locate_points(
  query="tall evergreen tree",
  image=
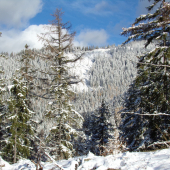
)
(101, 129)
(19, 126)
(29, 76)
(152, 81)
(65, 119)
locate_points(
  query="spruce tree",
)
(101, 129)
(65, 119)
(29, 75)
(19, 126)
(152, 81)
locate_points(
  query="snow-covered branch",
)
(147, 114)
(160, 143)
(54, 162)
(158, 65)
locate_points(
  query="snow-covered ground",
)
(158, 160)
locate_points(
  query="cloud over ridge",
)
(14, 40)
(16, 13)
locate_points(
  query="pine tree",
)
(101, 129)
(157, 27)
(19, 126)
(65, 119)
(29, 76)
(152, 81)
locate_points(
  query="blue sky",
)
(96, 22)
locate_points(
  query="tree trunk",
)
(15, 147)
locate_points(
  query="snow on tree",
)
(101, 129)
(18, 126)
(151, 86)
(151, 27)
(60, 111)
(30, 77)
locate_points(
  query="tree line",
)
(61, 130)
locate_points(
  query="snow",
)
(5, 164)
(50, 103)
(20, 95)
(82, 67)
(2, 89)
(125, 161)
(53, 128)
(71, 130)
(10, 87)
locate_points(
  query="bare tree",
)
(57, 40)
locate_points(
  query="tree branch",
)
(159, 114)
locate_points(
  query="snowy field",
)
(158, 160)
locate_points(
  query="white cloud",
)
(14, 40)
(92, 37)
(16, 13)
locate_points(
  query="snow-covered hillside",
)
(158, 160)
(106, 73)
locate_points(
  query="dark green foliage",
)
(149, 96)
(153, 81)
(101, 129)
(131, 128)
(18, 126)
(154, 84)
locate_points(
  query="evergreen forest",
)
(66, 101)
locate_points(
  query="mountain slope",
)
(105, 72)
